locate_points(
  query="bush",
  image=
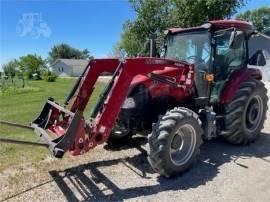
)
(32, 66)
(50, 76)
(35, 76)
(13, 86)
(13, 90)
(7, 82)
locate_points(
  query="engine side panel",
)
(148, 98)
(157, 89)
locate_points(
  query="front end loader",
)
(199, 88)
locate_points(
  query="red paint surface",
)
(235, 81)
(134, 71)
(219, 24)
(232, 23)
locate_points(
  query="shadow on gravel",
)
(73, 181)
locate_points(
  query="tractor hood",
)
(160, 61)
(168, 70)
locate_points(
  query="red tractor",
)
(199, 88)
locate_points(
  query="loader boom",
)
(80, 135)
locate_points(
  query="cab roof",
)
(218, 24)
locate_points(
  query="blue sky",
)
(95, 25)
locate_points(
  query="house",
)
(69, 67)
(267, 31)
(261, 42)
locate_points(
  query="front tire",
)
(119, 138)
(174, 142)
(246, 113)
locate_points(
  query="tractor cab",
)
(217, 49)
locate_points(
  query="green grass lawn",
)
(24, 107)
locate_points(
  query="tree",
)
(10, 68)
(192, 13)
(259, 17)
(32, 66)
(117, 51)
(130, 41)
(155, 16)
(66, 51)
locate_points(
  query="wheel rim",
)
(254, 113)
(183, 145)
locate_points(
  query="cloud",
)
(32, 24)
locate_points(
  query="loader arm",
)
(78, 135)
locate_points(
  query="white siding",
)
(69, 67)
(261, 42)
(265, 71)
(77, 71)
(61, 69)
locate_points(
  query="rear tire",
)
(246, 113)
(174, 142)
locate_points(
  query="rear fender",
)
(235, 81)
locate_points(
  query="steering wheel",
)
(193, 57)
(196, 59)
(199, 62)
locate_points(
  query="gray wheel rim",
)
(183, 145)
(254, 113)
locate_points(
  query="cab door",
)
(228, 57)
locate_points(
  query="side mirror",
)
(258, 59)
(232, 38)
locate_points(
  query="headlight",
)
(129, 103)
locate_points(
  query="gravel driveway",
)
(223, 173)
